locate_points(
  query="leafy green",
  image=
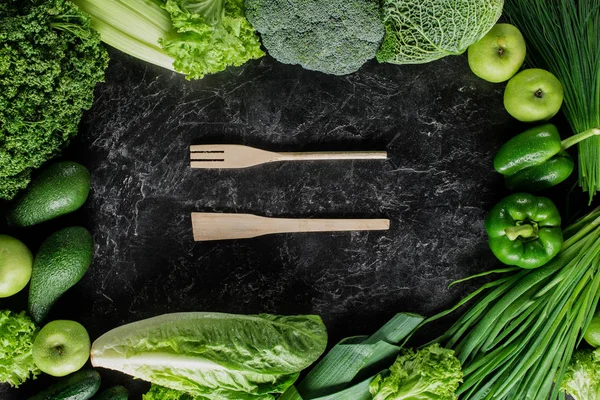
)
(582, 380)
(333, 36)
(431, 373)
(16, 341)
(50, 62)
(214, 355)
(352, 360)
(157, 392)
(418, 31)
(193, 37)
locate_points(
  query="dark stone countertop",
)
(440, 124)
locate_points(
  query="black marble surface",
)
(440, 124)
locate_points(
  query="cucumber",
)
(81, 385)
(113, 393)
(61, 188)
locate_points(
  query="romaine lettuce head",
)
(214, 355)
(582, 380)
(419, 31)
(16, 341)
(432, 373)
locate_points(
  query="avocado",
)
(60, 189)
(80, 385)
(60, 263)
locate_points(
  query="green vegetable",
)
(592, 333)
(524, 230)
(193, 37)
(16, 341)
(214, 355)
(50, 62)
(582, 380)
(340, 375)
(62, 260)
(81, 385)
(61, 188)
(334, 36)
(518, 338)
(563, 37)
(162, 393)
(536, 159)
(113, 393)
(430, 373)
(418, 31)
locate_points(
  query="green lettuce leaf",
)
(16, 341)
(432, 373)
(419, 31)
(214, 355)
(213, 34)
(582, 380)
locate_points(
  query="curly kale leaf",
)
(16, 342)
(334, 36)
(418, 31)
(50, 62)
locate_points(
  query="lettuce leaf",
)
(582, 380)
(214, 355)
(432, 373)
(16, 341)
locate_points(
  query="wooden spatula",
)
(238, 156)
(217, 226)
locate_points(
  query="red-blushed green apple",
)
(499, 54)
(16, 262)
(61, 347)
(533, 95)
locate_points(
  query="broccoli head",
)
(331, 36)
(50, 62)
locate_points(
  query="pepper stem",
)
(525, 231)
(570, 141)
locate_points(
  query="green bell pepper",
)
(524, 230)
(536, 159)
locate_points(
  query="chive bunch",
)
(563, 36)
(517, 340)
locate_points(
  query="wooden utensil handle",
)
(333, 155)
(288, 225)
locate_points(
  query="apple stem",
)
(570, 141)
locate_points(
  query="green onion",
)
(517, 340)
(563, 37)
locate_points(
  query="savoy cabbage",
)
(418, 31)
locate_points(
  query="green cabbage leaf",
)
(432, 373)
(214, 355)
(17, 332)
(419, 31)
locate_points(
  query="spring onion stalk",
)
(518, 338)
(563, 37)
(193, 37)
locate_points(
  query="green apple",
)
(16, 262)
(499, 54)
(61, 347)
(533, 95)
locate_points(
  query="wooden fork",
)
(238, 156)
